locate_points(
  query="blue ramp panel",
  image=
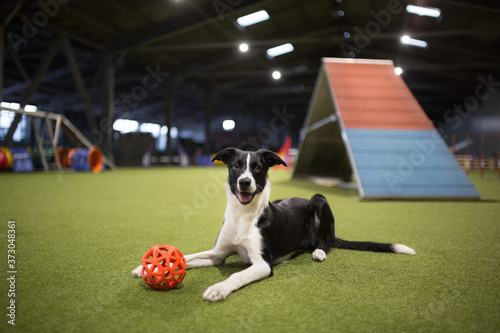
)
(405, 164)
(387, 140)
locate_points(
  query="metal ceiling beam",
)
(424, 99)
(307, 39)
(11, 15)
(75, 37)
(108, 97)
(252, 73)
(411, 61)
(2, 37)
(80, 84)
(452, 66)
(2, 44)
(437, 33)
(18, 63)
(291, 100)
(210, 97)
(74, 14)
(170, 85)
(270, 90)
(178, 25)
(469, 52)
(470, 5)
(235, 44)
(35, 83)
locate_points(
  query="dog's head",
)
(247, 171)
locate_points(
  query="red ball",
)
(163, 267)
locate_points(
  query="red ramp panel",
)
(370, 95)
(393, 148)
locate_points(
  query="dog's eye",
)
(257, 168)
(235, 166)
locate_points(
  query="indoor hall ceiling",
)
(195, 45)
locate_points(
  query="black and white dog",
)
(263, 233)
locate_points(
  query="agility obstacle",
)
(364, 120)
(89, 158)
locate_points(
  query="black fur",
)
(265, 233)
(236, 161)
(293, 224)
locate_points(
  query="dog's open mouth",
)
(245, 197)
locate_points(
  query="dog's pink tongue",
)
(245, 197)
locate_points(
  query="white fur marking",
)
(137, 272)
(238, 234)
(316, 221)
(319, 255)
(221, 290)
(247, 174)
(400, 248)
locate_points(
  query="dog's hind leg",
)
(322, 222)
(212, 257)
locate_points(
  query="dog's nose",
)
(245, 183)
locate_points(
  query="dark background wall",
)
(475, 117)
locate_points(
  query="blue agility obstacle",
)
(363, 120)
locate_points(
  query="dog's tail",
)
(319, 210)
(370, 246)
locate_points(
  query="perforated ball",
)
(163, 267)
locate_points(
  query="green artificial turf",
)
(78, 236)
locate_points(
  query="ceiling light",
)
(279, 50)
(423, 11)
(30, 108)
(228, 125)
(253, 18)
(154, 129)
(276, 75)
(125, 125)
(415, 42)
(174, 133)
(398, 70)
(15, 106)
(405, 39)
(243, 47)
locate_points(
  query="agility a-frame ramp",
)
(363, 120)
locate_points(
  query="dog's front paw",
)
(319, 255)
(137, 272)
(215, 293)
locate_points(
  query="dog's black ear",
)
(225, 155)
(270, 158)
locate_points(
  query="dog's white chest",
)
(243, 237)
